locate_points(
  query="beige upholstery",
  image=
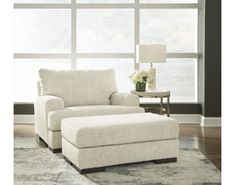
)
(125, 99)
(70, 93)
(54, 139)
(42, 106)
(90, 142)
(118, 129)
(79, 87)
(110, 155)
(55, 117)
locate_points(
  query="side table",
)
(157, 93)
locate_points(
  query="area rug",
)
(39, 166)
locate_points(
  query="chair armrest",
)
(43, 105)
(49, 103)
(126, 99)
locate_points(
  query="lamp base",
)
(153, 71)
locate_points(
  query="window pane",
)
(105, 1)
(26, 76)
(175, 28)
(168, 1)
(178, 76)
(123, 69)
(42, 31)
(42, 1)
(105, 31)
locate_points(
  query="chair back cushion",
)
(79, 87)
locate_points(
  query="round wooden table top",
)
(153, 93)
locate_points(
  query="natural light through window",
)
(102, 34)
(42, 31)
(176, 28)
(26, 76)
(105, 31)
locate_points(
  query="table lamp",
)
(151, 54)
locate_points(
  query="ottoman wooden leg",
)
(168, 160)
(90, 170)
(84, 171)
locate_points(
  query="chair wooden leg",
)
(40, 140)
(57, 150)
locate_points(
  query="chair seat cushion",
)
(118, 129)
(55, 117)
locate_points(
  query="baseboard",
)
(210, 121)
(187, 118)
(23, 119)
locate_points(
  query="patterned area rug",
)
(41, 167)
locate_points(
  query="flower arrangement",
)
(141, 78)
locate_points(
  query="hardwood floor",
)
(208, 139)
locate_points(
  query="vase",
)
(140, 86)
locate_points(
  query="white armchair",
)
(126, 99)
(42, 106)
(77, 93)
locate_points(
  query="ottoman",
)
(92, 143)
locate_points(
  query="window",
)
(26, 76)
(183, 86)
(102, 34)
(42, 31)
(175, 28)
(105, 1)
(168, 1)
(42, 1)
(105, 31)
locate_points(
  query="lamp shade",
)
(151, 53)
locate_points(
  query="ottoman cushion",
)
(118, 129)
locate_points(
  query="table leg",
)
(168, 106)
(161, 104)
